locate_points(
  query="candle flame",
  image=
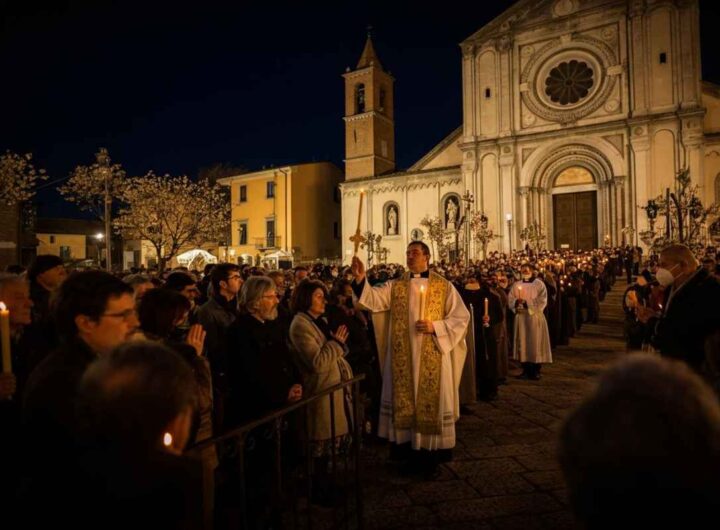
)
(167, 439)
(422, 288)
(3, 307)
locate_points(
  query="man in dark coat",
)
(487, 332)
(94, 312)
(690, 312)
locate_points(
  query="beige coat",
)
(320, 361)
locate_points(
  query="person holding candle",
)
(486, 307)
(690, 312)
(531, 345)
(423, 362)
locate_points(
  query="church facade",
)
(575, 112)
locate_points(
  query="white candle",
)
(5, 334)
(486, 307)
(362, 197)
(422, 302)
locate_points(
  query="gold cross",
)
(358, 239)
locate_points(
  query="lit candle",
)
(422, 302)
(486, 308)
(5, 334)
(520, 292)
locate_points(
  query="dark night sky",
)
(174, 87)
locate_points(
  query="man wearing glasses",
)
(94, 312)
(215, 316)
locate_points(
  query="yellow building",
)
(70, 239)
(291, 211)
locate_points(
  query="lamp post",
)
(98, 237)
(103, 160)
(508, 218)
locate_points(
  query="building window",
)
(382, 100)
(65, 253)
(270, 189)
(270, 231)
(243, 193)
(663, 58)
(336, 230)
(569, 82)
(52, 240)
(359, 98)
(487, 93)
(242, 234)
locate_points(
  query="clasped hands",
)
(644, 314)
(424, 326)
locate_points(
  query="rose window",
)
(569, 82)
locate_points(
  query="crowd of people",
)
(113, 376)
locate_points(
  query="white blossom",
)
(18, 178)
(172, 212)
(86, 185)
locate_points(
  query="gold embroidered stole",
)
(424, 416)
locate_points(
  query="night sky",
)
(175, 87)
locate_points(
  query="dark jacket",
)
(260, 370)
(692, 313)
(49, 402)
(215, 316)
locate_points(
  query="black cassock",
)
(486, 339)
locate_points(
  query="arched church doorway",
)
(575, 218)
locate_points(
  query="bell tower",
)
(369, 117)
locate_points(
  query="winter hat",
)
(43, 263)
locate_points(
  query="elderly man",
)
(690, 311)
(423, 360)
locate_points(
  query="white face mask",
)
(664, 276)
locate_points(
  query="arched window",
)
(359, 98)
(381, 103)
(391, 219)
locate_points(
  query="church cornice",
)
(366, 115)
(363, 72)
(404, 181)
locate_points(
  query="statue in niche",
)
(451, 213)
(392, 218)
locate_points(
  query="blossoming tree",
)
(172, 212)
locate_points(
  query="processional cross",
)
(358, 238)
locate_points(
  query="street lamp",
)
(98, 237)
(508, 218)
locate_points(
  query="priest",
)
(423, 361)
(527, 299)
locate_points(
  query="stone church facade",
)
(574, 113)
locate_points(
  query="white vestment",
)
(450, 340)
(532, 339)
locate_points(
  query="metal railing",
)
(262, 243)
(288, 486)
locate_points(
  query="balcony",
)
(267, 243)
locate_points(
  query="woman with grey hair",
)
(261, 377)
(140, 283)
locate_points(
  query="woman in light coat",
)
(320, 355)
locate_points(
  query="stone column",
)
(524, 212)
(619, 208)
(504, 45)
(507, 193)
(637, 59)
(640, 149)
(542, 207)
(470, 95)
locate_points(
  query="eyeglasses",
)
(271, 296)
(125, 315)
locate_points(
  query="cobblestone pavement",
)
(504, 473)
